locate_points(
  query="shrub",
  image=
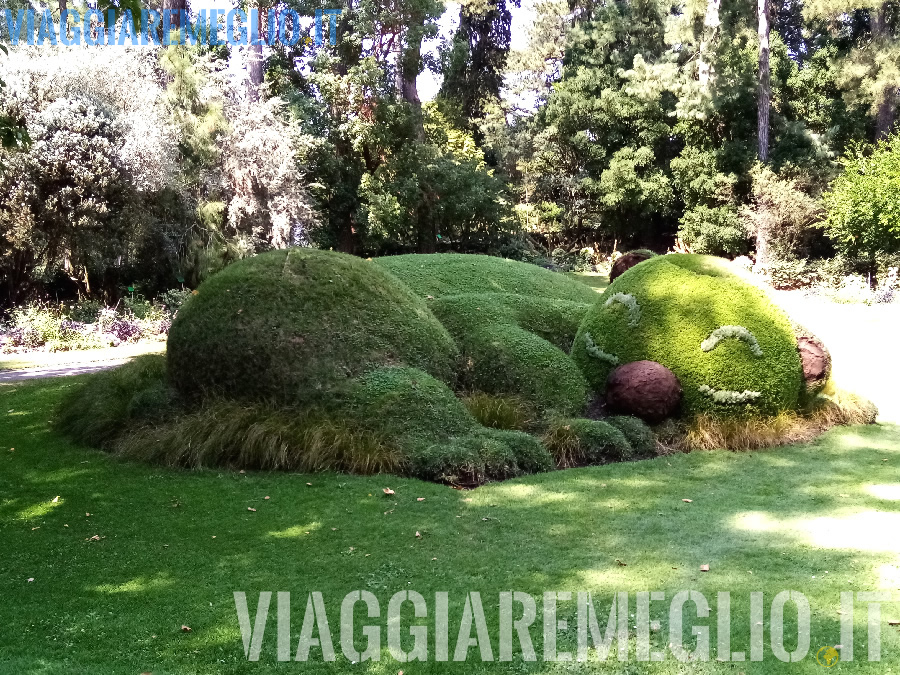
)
(173, 299)
(297, 325)
(500, 412)
(472, 459)
(683, 299)
(102, 408)
(439, 438)
(863, 205)
(85, 311)
(640, 437)
(715, 230)
(507, 359)
(579, 442)
(445, 274)
(791, 273)
(513, 344)
(406, 401)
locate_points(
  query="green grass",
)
(174, 545)
(79, 357)
(442, 274)
(594, 280)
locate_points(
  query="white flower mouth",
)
(728, 396)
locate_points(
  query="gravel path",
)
(57, 371)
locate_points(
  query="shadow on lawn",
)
(174, 545)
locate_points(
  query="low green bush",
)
(443, 274)
(694, 317)
(111, 402)
(297, 325)
(477, 457)
(639, 436)
(580, 442)
(507, 359)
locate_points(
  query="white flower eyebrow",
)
(731, 333)
(630, 303)
(597, 353)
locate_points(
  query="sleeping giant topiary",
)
(732, 350)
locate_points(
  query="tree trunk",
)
(765, 86)
(705, 68)
(887, 108)
(762, 108)
(410, 66)
(255, 69)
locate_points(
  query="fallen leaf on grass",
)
(185, 629)
(310, 484)
(250, 508)
(418, 535)
(688, 501)
(387, 491)
(704, 568)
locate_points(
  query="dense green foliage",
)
(581, 442)
(733, 351)
(298, 325)
(864, 202)
(439, 275)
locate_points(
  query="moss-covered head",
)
(733, 351)
(296, 325)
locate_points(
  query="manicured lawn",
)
(78, 357)
(174, 545)
(597, 281)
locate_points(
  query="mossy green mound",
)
(442, 274)
(513, 344)
(438, 437)
(297, 325)
(733, 351)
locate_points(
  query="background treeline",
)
(725, 126)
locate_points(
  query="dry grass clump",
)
(833, 407)
(258, 436)
(500, 412)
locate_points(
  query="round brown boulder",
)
(645, 389)
(626, 261)
(816, 361)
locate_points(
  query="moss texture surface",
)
(441, 274)
(682, 300)
(298, 324)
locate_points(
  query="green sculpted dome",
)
(733, 351)
(295, 325)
